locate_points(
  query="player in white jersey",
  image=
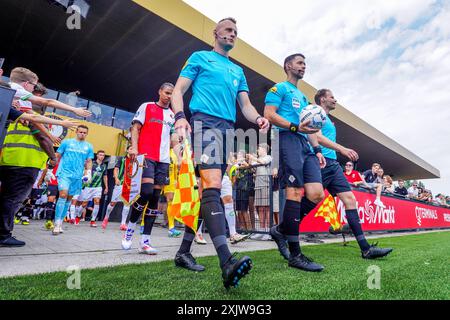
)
(226, 194)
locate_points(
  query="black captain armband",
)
(317, 150)
(293, 127)
(179, 115)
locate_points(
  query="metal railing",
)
(254, 199)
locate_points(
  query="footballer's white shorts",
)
(117, 192)
(87, 194)
(42, 199)
(227, 188)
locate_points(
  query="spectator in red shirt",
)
(353, 176)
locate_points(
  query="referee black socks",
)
(355, 225)
(290, 226)
(188, 238)
(306, 207)
(214, 216)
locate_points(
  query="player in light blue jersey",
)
(333, 178)
(75, 165)
(217, 83)
(299, 166)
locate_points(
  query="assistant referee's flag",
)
(186, 199)
(329, 212)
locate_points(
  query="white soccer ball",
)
(314, 113)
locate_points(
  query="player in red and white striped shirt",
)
(150, 135)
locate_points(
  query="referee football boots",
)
(374, 252)
(187, 261)
(281, 242)
(304, 263)
(234, 270)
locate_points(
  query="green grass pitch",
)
(418, 268)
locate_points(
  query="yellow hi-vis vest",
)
(21, 148)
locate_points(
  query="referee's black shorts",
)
(298, 164)
(209, 136)
(333, 178)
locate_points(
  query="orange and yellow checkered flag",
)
(329, 212)
(186, 199)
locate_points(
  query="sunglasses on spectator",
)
(33, 84)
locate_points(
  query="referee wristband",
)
(179, 115)
(293, 127)
(317, 150)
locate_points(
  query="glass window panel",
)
(72, 100)
(101, 113)
(51, 94)
(123, 119)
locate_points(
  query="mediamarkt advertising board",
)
(398, 214)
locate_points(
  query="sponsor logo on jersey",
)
(163, 122)
(295, 103)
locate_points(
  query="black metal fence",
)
(256, 200)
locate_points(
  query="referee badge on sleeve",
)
(273, 89)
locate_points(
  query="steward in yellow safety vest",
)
(20, 161)
(21, 148)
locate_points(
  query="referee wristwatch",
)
(293, 127)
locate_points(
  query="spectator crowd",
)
(375, 179)
(256, 178)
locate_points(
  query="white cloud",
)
(386, 61)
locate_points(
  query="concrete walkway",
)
(88, 247)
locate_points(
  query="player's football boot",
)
(303, 262)
(146, 248)
(199, 239)
(235, 238)
(56, 230)
(280, 240)
(105, 223)
(375, 252)
(127, 239)
(234, 270)
(187, 261)
(49, 225)
(174, 233)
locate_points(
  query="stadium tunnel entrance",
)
(125, 50)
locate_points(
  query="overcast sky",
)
(387, 61)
